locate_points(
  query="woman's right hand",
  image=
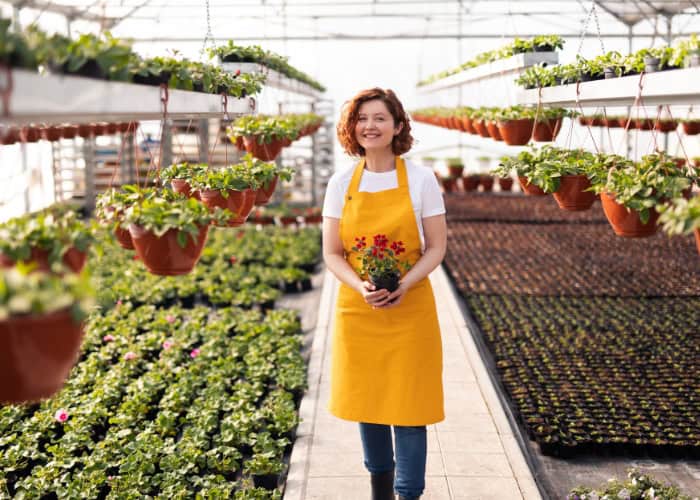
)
(371, 295)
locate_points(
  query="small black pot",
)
(388, 282)
(154, 80)
(544, 48)
(266, 481)
(651, 64)
(610, 73)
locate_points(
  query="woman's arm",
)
(435, 231)
(333, 256)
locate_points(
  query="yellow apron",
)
(386, 363)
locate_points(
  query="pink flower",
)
(170, 318)
(108, 338)
(233, 259)
(61, 415)
(238, 72)
(119, 302)
(130, 355)
(194, 353)
(167, 345)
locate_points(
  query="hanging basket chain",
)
(209, 36)
(164, 96)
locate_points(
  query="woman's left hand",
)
(394, 298)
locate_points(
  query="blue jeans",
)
(411, 455)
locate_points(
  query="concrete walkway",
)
(472, 454)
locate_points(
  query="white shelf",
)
(512, 67)
(274, 78)
(673, 87)
(58, 99)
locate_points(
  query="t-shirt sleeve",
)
(432, 202)
(333, 201)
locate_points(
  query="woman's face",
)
(375, 126)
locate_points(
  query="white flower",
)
(624, 494)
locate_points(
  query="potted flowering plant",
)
(40, 331)
(380, 262)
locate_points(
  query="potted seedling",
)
(169, 231)
(455, 166)
(233, 188)
(681, 217)
(40, 331)
(179, 176)
(547, 43)
(379, 262)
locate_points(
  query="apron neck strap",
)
(401, 175)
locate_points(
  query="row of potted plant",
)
(629, 191)
(540, 43)
(108, 58)
(515, 125)
(255, 54)
(34, 133)
(265, 136)
(164, 402)
(684, 53)
(691, 126)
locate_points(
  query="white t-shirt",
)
(423, 187)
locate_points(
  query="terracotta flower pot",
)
(74, 259)
(456, 170)
(85, 130)
(486, 182)
(264, 152)
(506, 183)
(666, 125)
(643, 124)
(29, 134)
(481, 128)
(288, 220)
(10, 136)
(183, 187)
(626, 222)
(111, 128)
(547, 131)
(313, 219)
(240, 144)
(516, 132)
(571, 195)
(36, 355)
(530, 189)
(264, 193)
(70, 131)
(597, 122)
(468, 125)
(449, 184)
(612, 123)
(239, 203)
(123, 127)
(52, 133)
(691, 128)
(163, 255)
(471, 182)
(492, 128)
(99, 129)
(623, 122)
(124, 238)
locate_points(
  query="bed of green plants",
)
(173, 397)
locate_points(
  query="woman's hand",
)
(394, 298)
(372, 296)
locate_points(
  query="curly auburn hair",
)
(401, 143)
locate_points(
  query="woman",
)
(387, 352)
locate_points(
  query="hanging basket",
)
(264, 152)
(74, 259)
(239, 203)
(530, 189)
(492, 128)
(52, 133)
(666, 125)
(162, 255)
(183, 187)
(36, 355)
(70, 131)
(481, 128)
(468, 125)
(571, 194)
(691, 127)
(264, 192)
(626, 222)
(547, 130)
(123, 238)
(516, 132)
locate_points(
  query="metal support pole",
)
(669, 40)
(166, 144)
(89, 156)
(130, 137)
(628, 144)
(203, 145)
(25, 176)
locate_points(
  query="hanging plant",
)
(681, 216)
(523, 165)
(169, 231)
(179, 176)
(233, 187)
(111, 207)
(40, 331)
(50, 241)
(266, 175)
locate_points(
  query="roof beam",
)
(68, 11)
